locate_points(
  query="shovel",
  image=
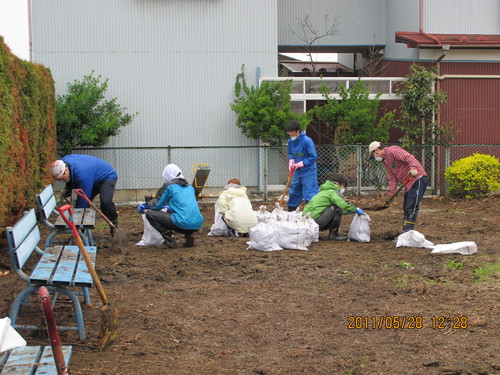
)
(288, 183)
(50, 321)
(109, 313)
(388, 201)
(118, 235)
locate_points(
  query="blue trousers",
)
(411, 203)
(303, 187)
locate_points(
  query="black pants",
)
(330, 219)
(106, 191)
(162, 221)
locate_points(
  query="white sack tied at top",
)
(359, 230)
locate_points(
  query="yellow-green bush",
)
(473, 176)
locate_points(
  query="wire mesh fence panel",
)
(265, 168)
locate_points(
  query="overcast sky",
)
(14, 26)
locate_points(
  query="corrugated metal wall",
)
(359, 22)
(462, 16)
(174, 62)
(473, 106)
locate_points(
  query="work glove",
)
(300, 164)
(359, 211)
(141, 209)
(413, 172)
(291, 162)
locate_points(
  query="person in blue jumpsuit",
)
(91, 174)
(174, 208)
(302, 160)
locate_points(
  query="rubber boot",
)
(169, 240)
(290, 208)
(334, 227)
(189, 240)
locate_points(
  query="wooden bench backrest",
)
(46, 202)
(23, 238)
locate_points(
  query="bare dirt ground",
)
(218, 308)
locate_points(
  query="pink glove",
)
(300, 164)
(291, 162)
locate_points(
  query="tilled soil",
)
(338, 308)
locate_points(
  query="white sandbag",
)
(464, 248)
(262, 214)
(313, 227)
(359, 230)
(279, 214)
(412, 238)
(219, 227)
(150, 237)
(294, 235)
(264, 237)
(9, 338)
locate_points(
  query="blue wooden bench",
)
(31, 360)
(59, 268)
(84, 218)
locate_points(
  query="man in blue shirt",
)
(302, 160)
(92, 175)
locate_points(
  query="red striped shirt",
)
(397, 163)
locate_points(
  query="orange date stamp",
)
(407, 322)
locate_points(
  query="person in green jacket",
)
(328, 206)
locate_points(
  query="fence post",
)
(169, 155)
(446, 165)
(265, 173)
(359, 168)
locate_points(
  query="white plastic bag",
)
(313, 227)
(294, 235)
(150, 237)
(219, 227)
(412, 238)
(9, 338)
(359, 229)
(464, 248)
(264, 236)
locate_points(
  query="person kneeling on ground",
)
(328, 206)
(235, 209)
(182, 215)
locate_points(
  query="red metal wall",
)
(473, 106)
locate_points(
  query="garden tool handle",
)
(55, 341)
(288, 183)
(405, 182)
(82, 194)
(83, 251)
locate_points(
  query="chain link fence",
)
(264, 169)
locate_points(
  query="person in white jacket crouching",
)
(234, 215)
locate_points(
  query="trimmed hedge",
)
(27, 133)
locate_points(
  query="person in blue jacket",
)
(91, 174)
(174, 208)
(302, 161)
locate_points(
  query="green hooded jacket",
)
(329, 194)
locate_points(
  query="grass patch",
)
(454, 265)
(405, 265)
(490, 271)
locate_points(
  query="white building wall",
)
(174, 62)
(462, 16)
(359, 22)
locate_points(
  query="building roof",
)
(296, 68)
(425, 40)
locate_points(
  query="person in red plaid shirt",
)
(403, 167)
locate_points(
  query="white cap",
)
(373, 146)
(58, 168)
